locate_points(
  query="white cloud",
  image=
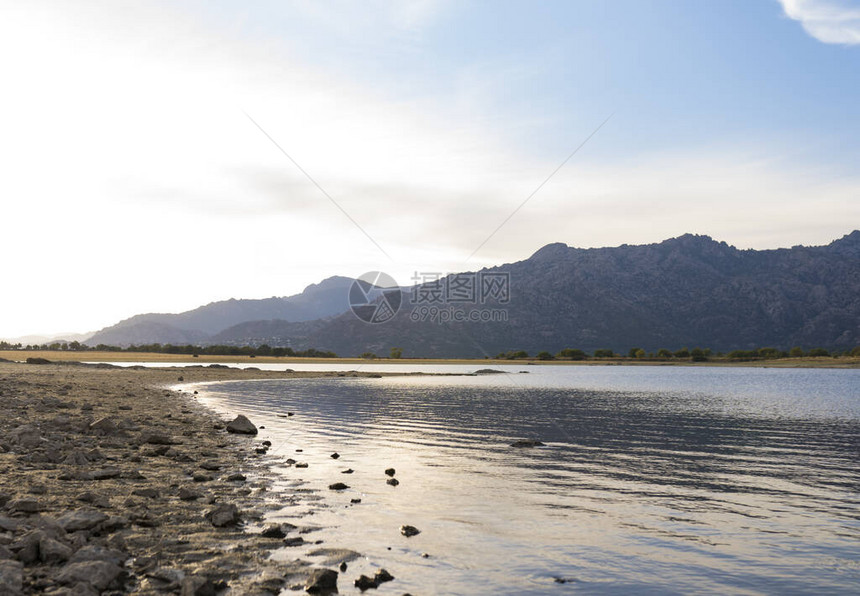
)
(828, 21)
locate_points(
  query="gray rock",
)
(147, 493)
(7, 524)
(25, 505)
(409, 531)
(241, 425)
(104, 426)
(237, 477)
(156, 438)
(197, 585)
(106, 473)
(26, 548)
(166, 579)
(6, 554)
(390, 472)
(187, 494)
(392, 481)
(81, 519)
(11, 578)
(338, 486)
(202, 477)
(76, 458)
(26, 436)
(51, 551)
(101, 575)
(223, 515)
(321, 581)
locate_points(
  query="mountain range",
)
(685, 291)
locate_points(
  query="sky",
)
(158, 156)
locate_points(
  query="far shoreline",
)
(842, 362)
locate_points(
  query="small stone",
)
(106, 473)
(335, 455)
(274, 531)
(321, 581)
(383, 576)
(295, 541)
(156, 438)
(260, 450)
(197, 585)
(241, 425)
(365, 583)
(201, 477)
(348, 471)
(343, 566)
(187, 494)
(211, 466)
(389, 472)
(223, 515)
(355, 501)
(392, 481)
(409, 531)
(104, 426)
(236, 477)
(338, 486)
(301, 464)
(266, 443)
(527, 443)
(147, 493)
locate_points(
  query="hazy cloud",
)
(828, 21)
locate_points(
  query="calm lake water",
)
(653, 480)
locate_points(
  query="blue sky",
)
(428, 121)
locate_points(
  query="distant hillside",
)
(317, 301)
(686, 291)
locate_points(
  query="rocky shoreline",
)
(110, 483)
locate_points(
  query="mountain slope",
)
(686, 291)
(317, 301)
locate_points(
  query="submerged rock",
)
(338, 486)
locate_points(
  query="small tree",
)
(633, 351)
(698, 355)
(605, 353)
(796, 352)
(664, 353)
(545, 356)
(818, 352)
(368, 356)
(682, 353)
(396, 353)
(572, 354)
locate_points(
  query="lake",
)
(654, 480)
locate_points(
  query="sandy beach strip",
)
(110, 483)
